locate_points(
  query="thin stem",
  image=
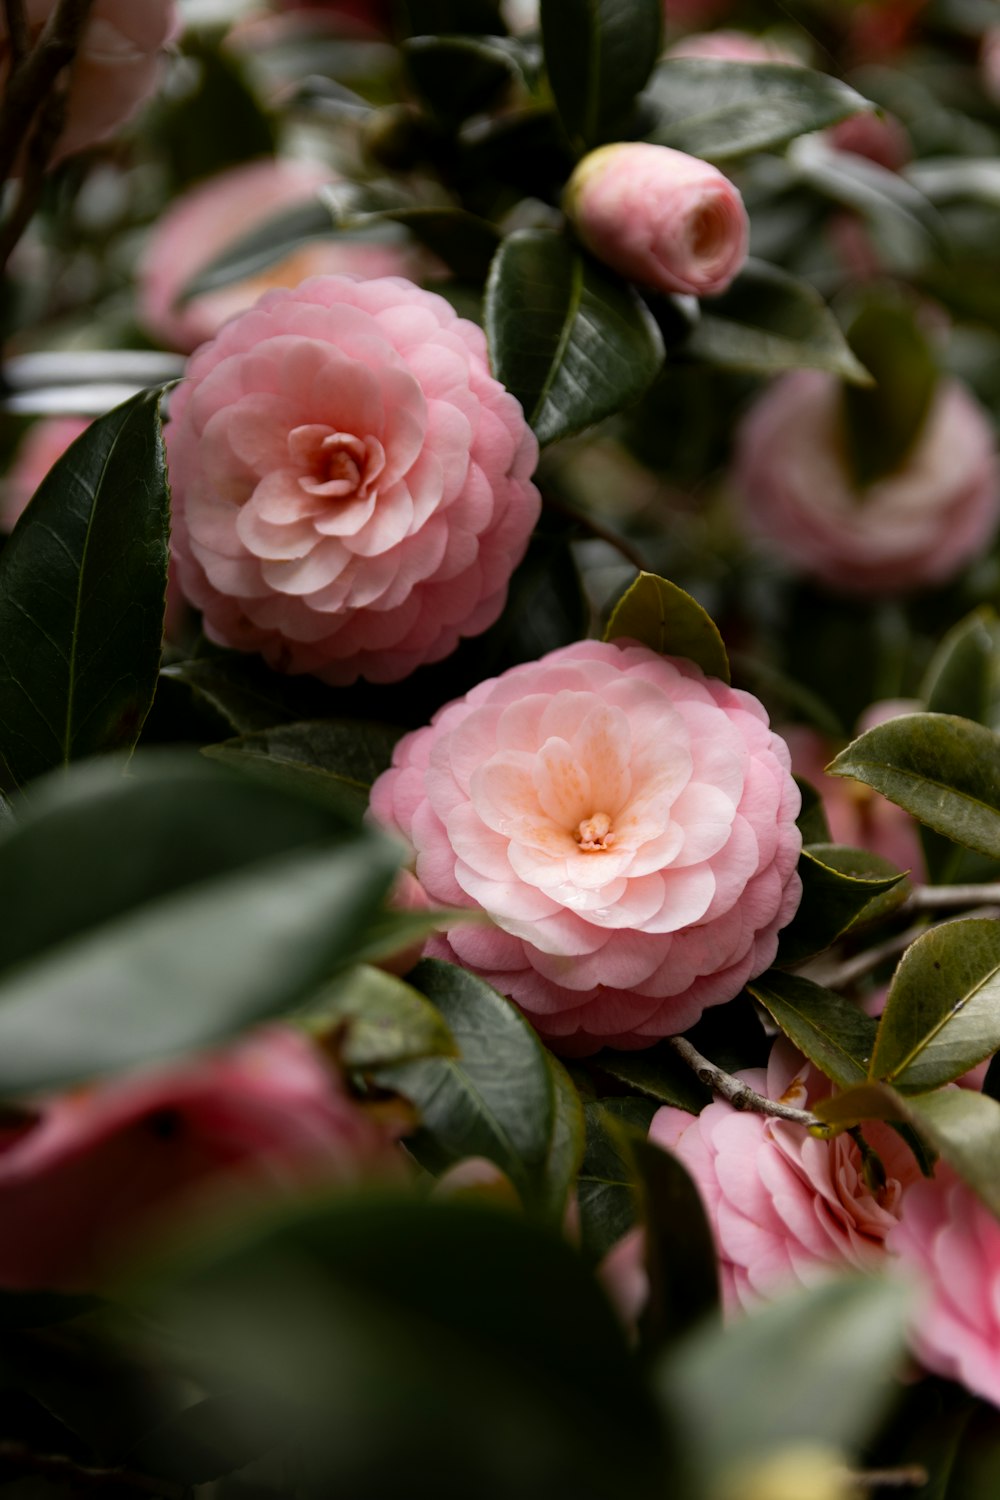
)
(30, 85)
(911, 1476)
(739, 1094)
(17, 31)
(840, 976)
(601, 533)
(931, 897)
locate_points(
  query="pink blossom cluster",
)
(626, 822)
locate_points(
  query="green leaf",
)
(962, 676)
(723, 110)
(465, 242)
(599, 54)
(341, 757)
(372, 1019)
(942, 1016)
(245, 693)
(884, 421)
(832, 1032)
(571, 342)
(502, 1097)
(459, 76)
(442, 1323)
(280, 236)
(680, 1252)
(944, 770)
(814, 1368)
(812, 817)
(451, 17)
(217, 123)
(659, 1073)
(908, 228)
(842, 888)
(209, 902)
(769, 321)
(82, 586)
(663, 617)
(607, 1190)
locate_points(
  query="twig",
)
(595, 529)
(30, 85)
(911, 1476)
(57, 1467)
(840, 976)
(739, 1094)
(36, 158)
(932, 897)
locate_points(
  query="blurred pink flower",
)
(351, 486)
(918, 525)
(785, 1208)
(879, 138)
(951, 1240)
(43, 443)
(733, 46)
(116, 68)
(663, 218)
(627, 823)
(201, 223)
(108, 1166)
(857, 815)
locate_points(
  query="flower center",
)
(594, 833)
(337, 465)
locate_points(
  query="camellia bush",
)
(499, 709)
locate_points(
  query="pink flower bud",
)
(660, 217)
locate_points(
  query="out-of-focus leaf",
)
(942, 1016)
(598, 55)
(944, 770)
(769, 321)
(465, 242)
(680, 1254)
(502, 1097)
(813, 1368)
(265, 245)
(41, 1309)
(834, 1034)
(207, 1440)
(663, 617)
(440, 1322)
(571, 342)
(247, 694)
(451, 17)
(350, 753)
(721, 110)
(884, 421)
(82, 586)
(842, 888)
(658, 1072)
(372, 1019)
(216, 123)
(209, 902)
(896, 210)
(962, 676)
(459, 76)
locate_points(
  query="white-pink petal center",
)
(335, 465)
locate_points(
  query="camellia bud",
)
(660, 217)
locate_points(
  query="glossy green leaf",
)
(884, 421)
(811, 820)
(351, 752)
(82, 586)
(722, 110)
(832, 1032)
(246, 694)
(441, 1323)
(502, 1097)
(463, 241)
(371, 1019)
(570, 341)
(598, 54)
(813, 1368)
(962, 676)
(607, 1190)
(659, 1073)
(942, 1016)
(663, 617)
(459, 76)
(769, 321)
(842, 888)
(944, 770)
(679, 1248)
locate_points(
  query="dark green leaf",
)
(942, 1016)
(662, 616)
(832, 1032)
(372, 1019)
(607, 1191)
(348, 751)
(841, 889)
(246, 693)
(502, 1097)
(459, 76)
(82, 585)
(944, 770)
(812, 818)
(721, 110)
(961, 678)
(815, 1368)
(884, 421)
(451, 17)
(214, 123)
(658, 1072)
(599, 54)
(680, 1253)
(395, 931)
(570, 341)
(769, 321)
(207, 1440)
(41, 1309)
(465, 242)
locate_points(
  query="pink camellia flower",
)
(952, 1241)
(115, 69)
(786, 1208)
(915, 526)
(879, 138)
(659, 216)
(107, 1166)
(44, 443)
(202, 222)
(351, 486)
(857, 815)
(733, 46)
(627, 823)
